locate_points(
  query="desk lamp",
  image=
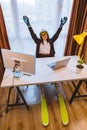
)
(80, 40)
(80, 37)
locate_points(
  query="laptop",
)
(59, 64)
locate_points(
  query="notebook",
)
(59, 64)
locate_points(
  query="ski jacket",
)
(38, 41)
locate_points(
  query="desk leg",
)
(16, 104)
(8, 99)
(1, 105)
(76, 91)
(75, 87)
(18, 89)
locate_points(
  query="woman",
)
(45, 45)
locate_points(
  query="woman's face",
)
(44, 36)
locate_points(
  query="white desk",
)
(44, 74)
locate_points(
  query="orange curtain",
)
(83, 47)
(76, 26)
(4, 43)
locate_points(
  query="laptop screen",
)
(59, 64)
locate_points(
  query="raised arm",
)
(33, 35)
(56, 35)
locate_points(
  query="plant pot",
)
(79, 68)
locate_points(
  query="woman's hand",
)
(26, 20)
(63, 21)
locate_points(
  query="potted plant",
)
(80, 64)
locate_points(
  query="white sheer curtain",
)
(42, 14)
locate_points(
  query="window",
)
(42, 14)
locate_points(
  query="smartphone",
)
(16, 74)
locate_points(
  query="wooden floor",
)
(19, 118)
